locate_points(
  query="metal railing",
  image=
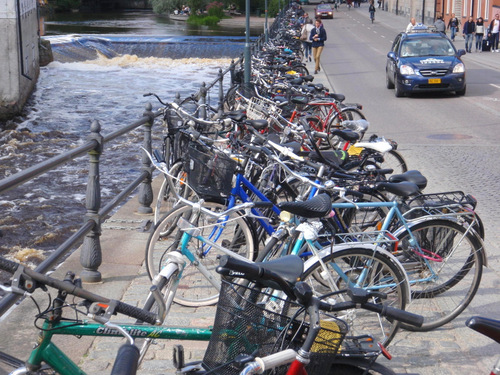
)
(88, 235)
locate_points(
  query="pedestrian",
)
(479, 34)
(493, 30)
(317, 37)
(371, 10)
(306, 42)
(439, 24)
(468, 33)
(411, 24)
(453, 25)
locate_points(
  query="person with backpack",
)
(304, 37)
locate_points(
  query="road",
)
(454, 141)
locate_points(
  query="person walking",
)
(479, 34)
(439, 24)
(411, 24)
(453, 25)
(493, 30)
(468, 33)
(371, 10)
(306, 42)
(317, 37)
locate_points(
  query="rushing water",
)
(38, 216)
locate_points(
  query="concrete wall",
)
(19, 58)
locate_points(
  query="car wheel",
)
(461, 92)
(398, 91)
(388, 82)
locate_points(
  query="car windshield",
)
(427, 47)
(324, 7)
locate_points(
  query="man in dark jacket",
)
(453, 25)
(318, 37)
(468, 33)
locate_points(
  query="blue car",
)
(424, 60)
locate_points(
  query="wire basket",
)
(210, 171)
(173, 121)
(250, 320)
(260, 108)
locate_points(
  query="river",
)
(109, 87)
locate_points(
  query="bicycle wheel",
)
(445, 275)
(365, 268)
(194, 289)
(165, 201)
(345, 114)
(395, 161)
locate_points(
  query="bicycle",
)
(490, 328)
(281, 329)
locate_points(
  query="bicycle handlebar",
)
(120, 307)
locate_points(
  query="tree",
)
(165, 6)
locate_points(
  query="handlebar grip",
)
(8, 265)
(126, 360)
(136, 312)
(394, 313)
(262, 204)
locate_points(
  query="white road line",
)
(382, 36)
(498, 87)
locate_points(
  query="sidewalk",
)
(124, 277)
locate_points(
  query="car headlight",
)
(459, 68)
(406, 70)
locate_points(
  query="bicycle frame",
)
(46, 351)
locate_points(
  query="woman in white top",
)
(479, 34)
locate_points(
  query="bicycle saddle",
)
(316, 207)
(401, 189)
(411, 176)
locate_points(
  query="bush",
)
(215, 9)
(203, 20)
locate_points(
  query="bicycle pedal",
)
(178, 357)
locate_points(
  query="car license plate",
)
(434, 80)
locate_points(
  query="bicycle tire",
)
(351, 114)
(165, 201)
(352, 261)
(395, 161)
(193, 289)
(458, 275)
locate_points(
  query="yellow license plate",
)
(434, 80)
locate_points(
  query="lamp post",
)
(247, 65)
(266, 36)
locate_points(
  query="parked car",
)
(424, 60)
(323, 11)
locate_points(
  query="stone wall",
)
(19, 66)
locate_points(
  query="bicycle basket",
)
(249, 319)
(173, 121)
(260, 108)
(210, 171)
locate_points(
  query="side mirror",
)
(461, 52)
(391, 55)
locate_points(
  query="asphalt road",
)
(454, 141)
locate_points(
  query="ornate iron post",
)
(221, 93)
(203, 101)
(91, 255)
(146, 189)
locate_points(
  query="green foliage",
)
(215, 9)
(203, 20)
(273, 7)
(66, 5)
(196, 5)
(165, 6)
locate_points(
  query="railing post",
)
(146, 190)
(221, 93)
(91, 255)
(177, 98)
(232, 69)
(203, 101)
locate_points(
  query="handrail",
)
(91, 229)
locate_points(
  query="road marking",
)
(498, 87)
(382, 36)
